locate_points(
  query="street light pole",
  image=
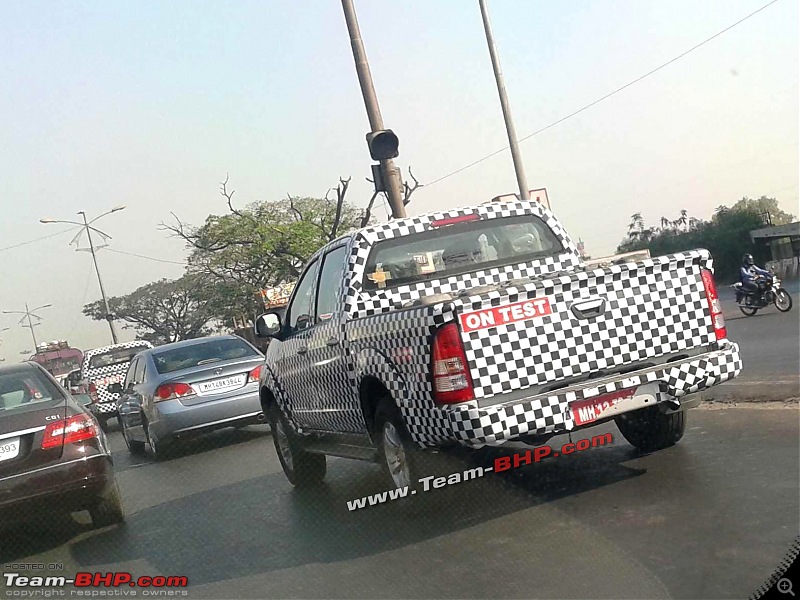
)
(391, 174)
(519, 167)
(99, 279)
(30, 324)
(87, 226)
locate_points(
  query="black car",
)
(53, 454)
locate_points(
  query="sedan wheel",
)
(158, 448)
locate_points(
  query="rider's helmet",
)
(747, 260)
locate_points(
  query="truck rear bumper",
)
(553, 413)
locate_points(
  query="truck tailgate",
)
(551, 333)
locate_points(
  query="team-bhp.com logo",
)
(502, 463)
(90, 584)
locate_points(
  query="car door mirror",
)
(268, 325)
(115, 388)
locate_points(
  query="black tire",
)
(108, 510)
(785, 301)
(395, 444)
(748, 311)
(648, 429)
(135, 447)
(302, 469)
(159, 448)
(103, 423)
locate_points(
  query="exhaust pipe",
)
(261, 417)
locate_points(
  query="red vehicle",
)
(57, 358)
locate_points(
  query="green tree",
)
(161, 312)
(262, 245)
(765, 205)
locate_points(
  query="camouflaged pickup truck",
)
(481, 326)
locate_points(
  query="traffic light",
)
(383, 144)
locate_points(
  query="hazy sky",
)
(149, 104)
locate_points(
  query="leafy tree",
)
(727, 237)
(262, 245)
(161, 312)
(765, 205)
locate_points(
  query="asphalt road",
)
(710, 517)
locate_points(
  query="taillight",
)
(93, 391)
(253, 376)
(69, 431)
(170, 391)
(714, 304)
(451, 380)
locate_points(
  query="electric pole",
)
(87, 227)
(519, 167)
(383, 143)
(27, 314)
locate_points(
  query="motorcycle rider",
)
(751, 276)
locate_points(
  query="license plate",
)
(9, 448)
(220, 385)
(592, 409)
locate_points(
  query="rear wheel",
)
(302, 469)
(103, 420)
(748, 310)
(159, 448)
(783, 301)
(649, 429)
(108, 510)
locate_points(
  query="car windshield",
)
(459, 248)
(205, 353)
(114, 357)
(24, 387)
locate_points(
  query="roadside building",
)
(784, 245)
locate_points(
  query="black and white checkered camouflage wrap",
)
(102, 377)
(653, 307)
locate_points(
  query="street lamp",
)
(27, 314)
(87, 227)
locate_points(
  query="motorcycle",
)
(770, 292)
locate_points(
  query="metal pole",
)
(519, 168)
(30, 324)
(100, 280)
(391, 174)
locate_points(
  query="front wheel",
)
(302, 469)
(648, 429)
(783, 301)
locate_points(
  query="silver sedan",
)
(188, 388)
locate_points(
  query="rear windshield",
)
(22, 388)
(459, 248)
(205, 353)
(115, 357)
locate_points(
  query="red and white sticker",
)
(503, 315)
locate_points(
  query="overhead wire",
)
(609, 95)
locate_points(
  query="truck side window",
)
(300, 311)
(330, 283)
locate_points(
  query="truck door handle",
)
(333, 342)
(302, 350)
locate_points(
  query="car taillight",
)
(714, 304)
(253, 376)
(69, 431)
(93, 391)
(451, 380)
(170, 391)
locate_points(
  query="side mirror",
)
(268, 325)
(115, 388)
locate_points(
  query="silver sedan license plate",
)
(9, 448)
(221, 385)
